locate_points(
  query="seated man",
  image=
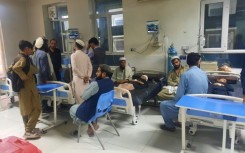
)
(123, 73)
(140, 83)
(193, 81)
(91, 95)
(167, 93)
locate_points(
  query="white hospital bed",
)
(232, 76)
(64, 94)
(124, 105)
(196, 118)
(6, 89)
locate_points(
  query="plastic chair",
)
(104, 106)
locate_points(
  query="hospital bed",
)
(128, 102)
(231, 77)
(195, 118)
(64, 94)
(124, 104)
(6, 89)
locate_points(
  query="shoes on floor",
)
(177, 124)
(39, 131)
(90, 131)
(31, 135)
(164, 127)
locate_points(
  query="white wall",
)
(14, 26)
(179, 23)
(78, 11)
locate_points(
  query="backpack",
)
(17, 83)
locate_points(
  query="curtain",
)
(3, 63)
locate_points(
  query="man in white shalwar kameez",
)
(81, 70)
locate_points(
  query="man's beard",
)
(122, 67)
(176, 67)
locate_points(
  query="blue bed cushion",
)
(212, 115)
(4, 87)
(119, 102)
(58, 94)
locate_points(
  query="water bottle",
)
(171, 53)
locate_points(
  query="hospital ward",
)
(122, 76)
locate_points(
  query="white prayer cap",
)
(80, 42)
(39, 42)
(144, 77)
(175, 57)
(122, 59)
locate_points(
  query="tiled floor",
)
(146, 137)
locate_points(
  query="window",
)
(58, 26)
(222, 26)
(223, 31)
(109, 24)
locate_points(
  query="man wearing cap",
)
(81, 70)
(173, 79)
(87, 109)
(123, 73)
(40, 60)
(193, 81)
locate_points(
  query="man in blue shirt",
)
(193, 81)
(40, 60)
(86, 110)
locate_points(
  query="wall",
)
(179, 23)
(14, 26)
(79, 16)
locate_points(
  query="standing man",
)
(193, 81)
(99, 54)
(29, 103)
(123, 73)
(81, 70)
(55, 55)
(40, 60)
(173, 79)
(91, 95)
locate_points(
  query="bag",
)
(14, 144)
(17, 83)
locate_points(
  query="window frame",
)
(225, 29)
(108, 16)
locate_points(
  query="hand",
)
(85, 79)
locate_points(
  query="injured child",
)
(140, 83)
(220, 86)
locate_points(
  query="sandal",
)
(39, 131)
(90, 133)
(31, 135)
